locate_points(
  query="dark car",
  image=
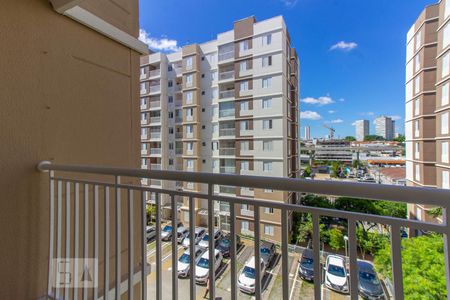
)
(267, 252)
(224, 245)
(151, 233)
(306, 265)
(369, 285)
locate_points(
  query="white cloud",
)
(354, 123)
(336, 121)
(310, 115)
(344, 46)
(324, 100)
(163, 44)
(331, 112)
(396, 117)
(289, 3)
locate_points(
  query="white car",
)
(198, 235)
(246, 280)
(336, 276)
(204, 243)
(202, 266)
(181, 234)
(183, 265)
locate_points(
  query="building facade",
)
(307, 133)
(427, 102)
(385, 127)
(230, 105)
(362, 129)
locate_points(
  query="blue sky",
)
(361, 77)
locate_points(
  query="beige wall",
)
(69, 95)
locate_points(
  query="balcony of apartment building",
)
(150, 133)
(150, 87)
(178, 100)
(154, 149)
(149, 103)
(226, 53)
(227, 129)
(154, 117)
(227, 109)
(226, 91)
(226, 74)
(227, 166)
(227, 148)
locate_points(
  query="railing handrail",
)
(405, 194)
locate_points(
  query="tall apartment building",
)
(385, 127)
(362, 128)
(307, 133)
(230, 105)
(427, 102)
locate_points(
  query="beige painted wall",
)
(67, 94)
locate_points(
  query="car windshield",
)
(206, 237)
(265, 251)
(167, 228)
(336, 271)
(306, 263)
(224, 243)
(203, 263)
(184, 258)
(249, 272)
(369, 277)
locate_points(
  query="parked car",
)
(198, 235)
(369, 285)
(202, 266)
(306, 265)
(247, 277)
(224, 244)
(151, 233)
(166, 232)
(204, 243)
(268, 251)
(336, 276)
(181, 234)
(183, 265)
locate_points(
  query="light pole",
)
(346, 245)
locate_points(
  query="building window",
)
(245, 165)
(245, 226)
(267, 145)
(266, 61)
(444, 152)
(445, 64)
(446, 36)
(268, 210)
(243, 66)
(418, 40)
(444, 123)
(417, 172)
(214, 76)
(445, 180)
(245, 145)
(417, 151)
(266, 82)
(190, 129)
(170, 68)
(267, 124)
(417, 63)
(447, 8)
(170, 162)
(418, 213)
(244, 105)
(189, 97)
(267, 166)
(215, 146)
(416, 128)
(189, 62)
(417, 85)
(190, 164)
(215, 93)
(170, 115)
(170, 99)
(267, 39)
(215, 128)
(268, 230)
(417, 107)
(444, 95)
(244, 45)
(266, 103)
(170, 83)
(189, 79)
(244, 86)
(190, 146)
(245, 125)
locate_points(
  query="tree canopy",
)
(372, 137)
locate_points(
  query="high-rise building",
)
(307, 133)
(230, 105)
(427, 102)
(362, 128)
(384, 127)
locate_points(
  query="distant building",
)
(334, 150)
(362, 129)
(384, 127)
(307, 133)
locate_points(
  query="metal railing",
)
(226, 55)
(226, 75)
(226, 112)
(155, 88)
(155, 150)
(154, 73)
(227, 151)
(226, 94)
(227, 131)
(66, 224)
(228, 170)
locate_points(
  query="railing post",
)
(211, 248)
(257, 225)
(118, 238)
(58, 234)
(353, 254)
(96, 238)
(143, 248)
(106, 246)
(158, 249)
(77, 234)
(130, 244)
(68, 236)
(192, 247)
(233, 251)
(174, 248)
(446, 219)
(396, 259)
(51, 233)
(316, 254)
(285, 253)
(86, 234)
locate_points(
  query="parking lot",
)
(271, 282)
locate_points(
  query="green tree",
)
(335, 169)
(400, 138)
(350, 138)
(307, 171)
(336, 238)
(423, 266)
(151, 213)
(372, 137)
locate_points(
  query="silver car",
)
(204, 243)
(181, 234)
(183, 265)
(198, 235)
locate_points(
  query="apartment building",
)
(362, 128)
(385, 127)
(307, 133)
(230, 105)
(427, 102)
